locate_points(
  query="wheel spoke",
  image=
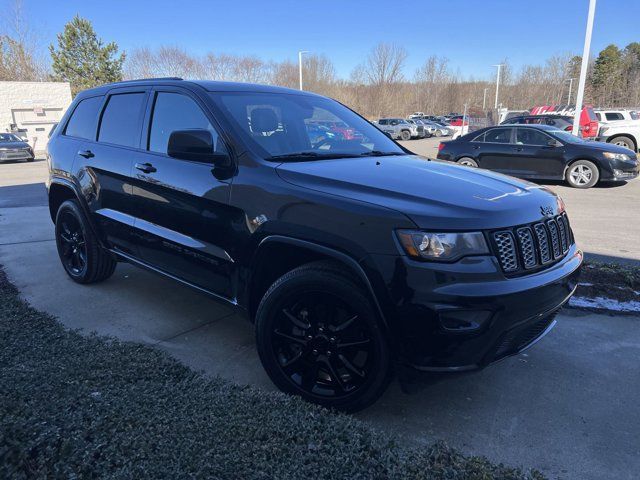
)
(350, 366)
(293, 360)
(357, 343)
(345, 324)
(334, 375)
(298, 340)
(310, 377)
(295, 320)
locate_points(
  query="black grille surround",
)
(528, 248)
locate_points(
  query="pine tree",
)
(82, 59)
(607, 76)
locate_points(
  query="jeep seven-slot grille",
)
(532, 246)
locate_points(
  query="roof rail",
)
(148, 79)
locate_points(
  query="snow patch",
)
(605, 303)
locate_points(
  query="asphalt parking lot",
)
(568, 406)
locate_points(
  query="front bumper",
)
(498, 316)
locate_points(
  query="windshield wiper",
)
(309, 156)
(378, 153)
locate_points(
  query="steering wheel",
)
(322, 142)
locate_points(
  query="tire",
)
(625, 142)
(405, 135)
(467, 162)
(582, 174)
(82, 257)
(438, 133)
(318, 336)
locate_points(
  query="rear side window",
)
(84, 119)
(528, 136)
(174, 111)
(498, 135)
(614, 116)
(121, 119)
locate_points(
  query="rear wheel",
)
(468, 162)
(319, 337)
(82, 257)
(405, 135)
(623, 141)
(582, 174)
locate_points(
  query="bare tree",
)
(19, 48)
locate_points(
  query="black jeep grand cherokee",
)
(351, 255)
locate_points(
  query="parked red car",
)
(588, 120)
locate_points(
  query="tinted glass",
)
(8, 137)
(498, 135)
(121, 119)
(84, 119)
(174, 111)
(634, 115)
(288, 125)
(528, 136)
(614, 116)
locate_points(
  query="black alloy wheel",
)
(82, 257)
(73, 247)
(319, 338)
(322, 345)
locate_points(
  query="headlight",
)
(443, 247)
(617, 156)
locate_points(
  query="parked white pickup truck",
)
(620, 127)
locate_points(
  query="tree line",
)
(379, 86)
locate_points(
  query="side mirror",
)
(196, 145)
(552, 143)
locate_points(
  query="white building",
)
(31, 109)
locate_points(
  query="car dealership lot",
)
(566, 406)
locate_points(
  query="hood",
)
(610, 147)
(435, 195)
(12, 145)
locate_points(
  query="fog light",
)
(617, 173)
(463, 320)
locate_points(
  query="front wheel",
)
(405, 135)
(82, 257)
(582, 174)
(319, 337)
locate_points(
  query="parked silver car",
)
(399, 128)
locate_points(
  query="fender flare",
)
(81, 201)
(349, 261)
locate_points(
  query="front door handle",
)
(86, 153)
(518, 149)
(145, 167)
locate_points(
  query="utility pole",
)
(570, 85)
(583, 67)
(497, 83)
(300, 65)
(484, 99)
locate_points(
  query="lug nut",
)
(314, 351)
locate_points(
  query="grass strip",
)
(75, 406)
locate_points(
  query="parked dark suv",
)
(352, 256)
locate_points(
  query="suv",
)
(561, 122)
(399, 128)
(620, 127)
(353, 258)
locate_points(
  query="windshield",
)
(566, 136)
(301, 127)
(8, 137)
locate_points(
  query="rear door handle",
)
(86, 153)
(145, 167)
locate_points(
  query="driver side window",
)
(175, 111)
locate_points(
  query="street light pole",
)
(300, 65)
(484, 99)
(570, 85)
(583, 67)
(497, 83)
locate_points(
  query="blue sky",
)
(472, 34)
